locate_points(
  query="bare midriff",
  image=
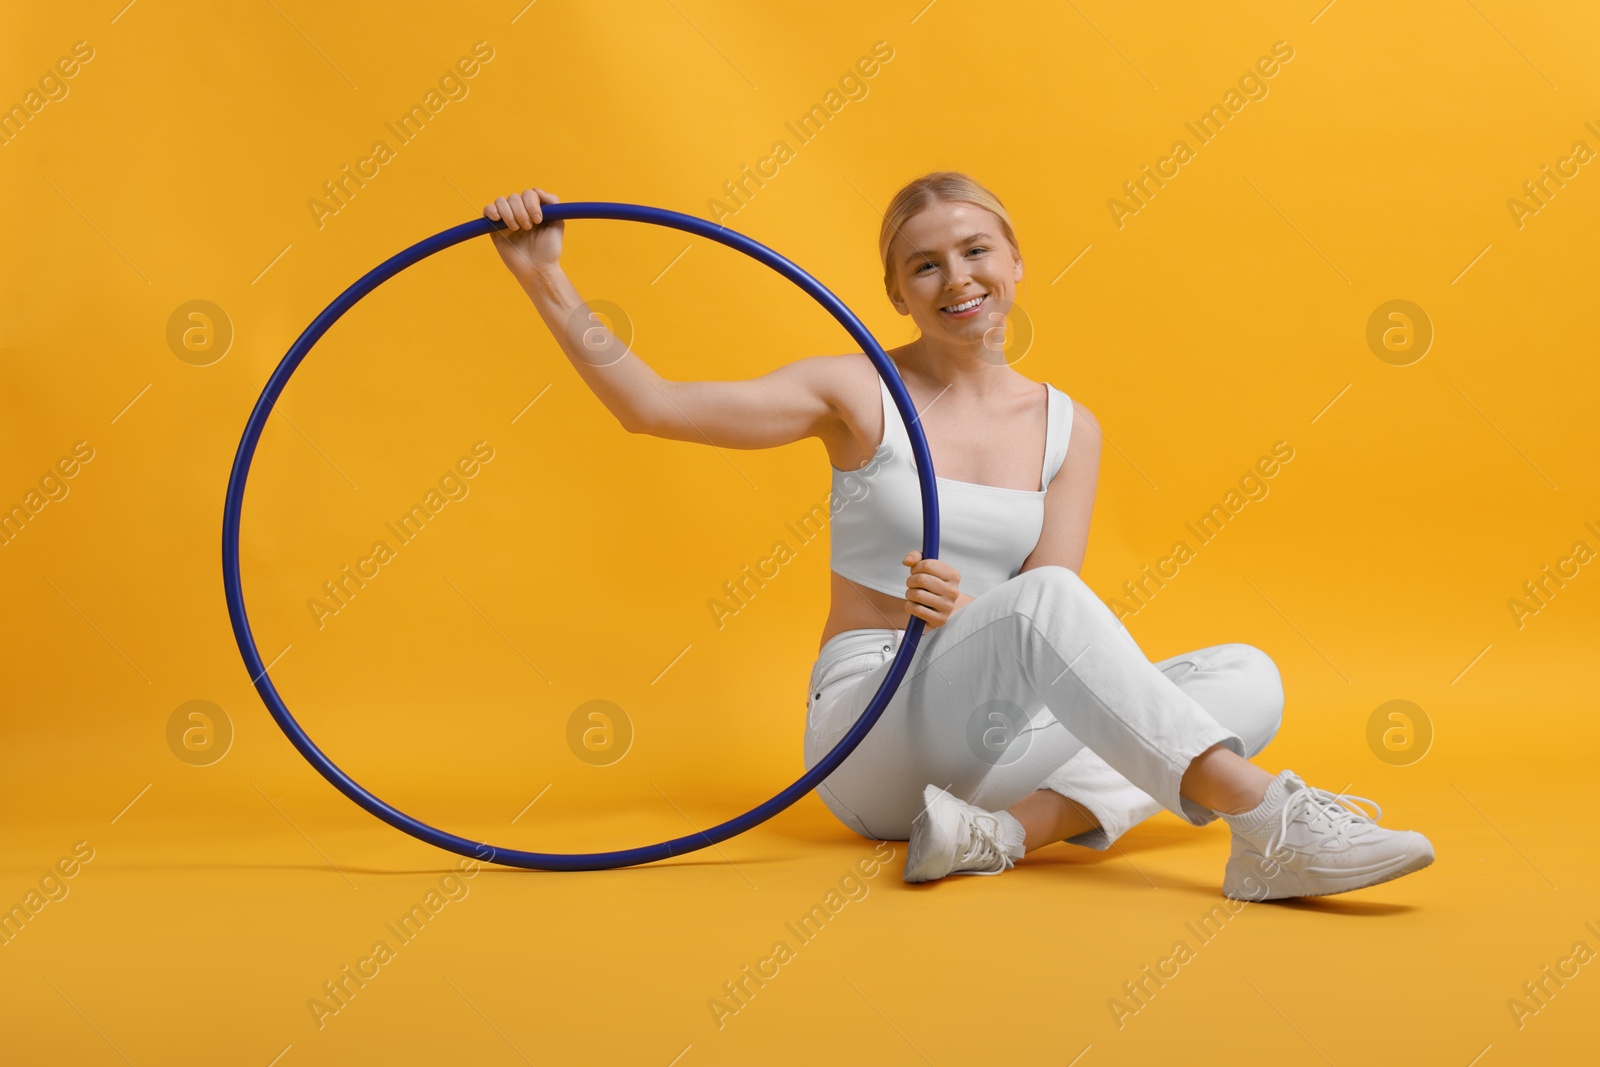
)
(853, 606)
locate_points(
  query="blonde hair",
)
(934, 187)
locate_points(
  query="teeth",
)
(974, 302)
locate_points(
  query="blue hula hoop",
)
(545, 860)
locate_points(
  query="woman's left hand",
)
(932, 589)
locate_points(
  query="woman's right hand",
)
(528, 246)
(933, 589)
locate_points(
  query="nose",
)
(956, 277)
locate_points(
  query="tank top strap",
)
(1057, 434)
(894, 427)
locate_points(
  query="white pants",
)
(1033, 685)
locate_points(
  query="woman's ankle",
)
(1048, 817)
(1224, 781)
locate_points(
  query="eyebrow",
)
(968, 239)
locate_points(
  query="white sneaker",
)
(1304, 842)
(951, 836)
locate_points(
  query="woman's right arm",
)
(793, 402)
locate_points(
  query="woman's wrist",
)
(544, 283)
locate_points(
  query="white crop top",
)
(986, 532)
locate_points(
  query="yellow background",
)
(1227, 314)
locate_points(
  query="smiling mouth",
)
(966, 308)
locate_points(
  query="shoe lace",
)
(1328, 814)
(982, 845)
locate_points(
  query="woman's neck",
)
(962, 371)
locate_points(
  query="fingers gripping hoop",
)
(548, 861)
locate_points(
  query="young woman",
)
(1029, 715)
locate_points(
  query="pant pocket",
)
(831, 680)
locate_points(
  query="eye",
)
(919, 270)
(979, 248)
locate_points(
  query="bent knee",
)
(1261, 692)
(1053, 580)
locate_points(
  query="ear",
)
(1016, 275)
(897, 300)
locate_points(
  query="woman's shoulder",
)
(852, 389)
(1083, 416)
(1079, 411)
(1082, 428)
(860, 365)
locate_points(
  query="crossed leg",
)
(1086, 802)
(985, 710)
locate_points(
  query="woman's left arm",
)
(1069, 499)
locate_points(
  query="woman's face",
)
(946, 256)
